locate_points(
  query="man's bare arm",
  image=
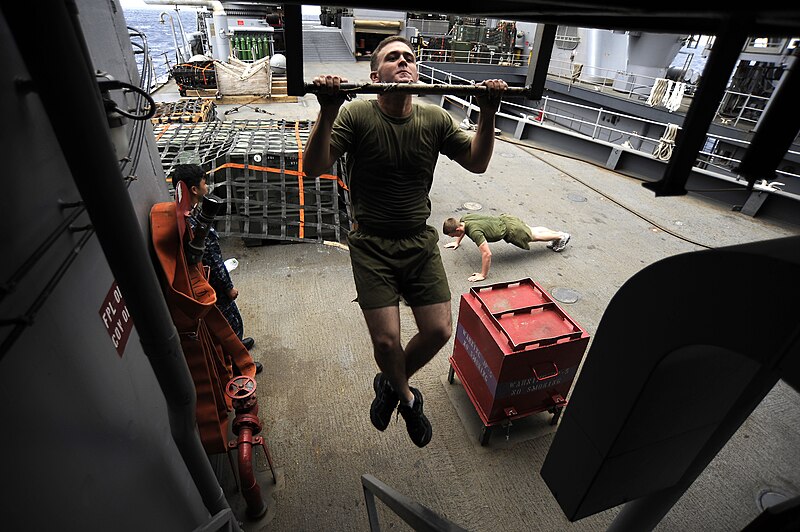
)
(319, 155)
(486, 262)
(476, 158)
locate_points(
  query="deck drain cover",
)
(576, 197)
(473, 206)
(768, 498)
(566, 295)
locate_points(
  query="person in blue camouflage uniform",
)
(220, 279)
(218, 276)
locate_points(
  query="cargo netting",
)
(256, 167)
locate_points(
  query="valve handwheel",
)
(240, 387)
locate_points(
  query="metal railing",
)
(556, 112)
(417, 516)
(150, 77)
(625, 85)
(765, 45)
(436, 55)
(750, 105)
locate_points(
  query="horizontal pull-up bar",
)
(418, 88)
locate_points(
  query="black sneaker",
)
(418, 426)
(386, 399)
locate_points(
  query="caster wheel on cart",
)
(486, 433)
(556, 415)
(450, 375)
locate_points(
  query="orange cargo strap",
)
(241, 166)
(164, 128)
(300, 180)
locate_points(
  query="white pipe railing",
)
(221, 47)
(598, 128)
(622, 85)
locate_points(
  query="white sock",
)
(410, 403)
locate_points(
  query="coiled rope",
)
(666, 93)
(674, 98)
(666, 143)
(657, 92)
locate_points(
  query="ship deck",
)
(315, 391)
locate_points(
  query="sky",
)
(139, 4)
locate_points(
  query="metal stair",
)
(323, 45)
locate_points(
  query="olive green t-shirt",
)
(481, 228)
(390, 161)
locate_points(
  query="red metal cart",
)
(516, 352)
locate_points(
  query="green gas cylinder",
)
(261, 46)
(239, 48)
(237, 45)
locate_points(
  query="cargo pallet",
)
(185, 110)
(255, 166)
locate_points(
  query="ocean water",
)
(160, 36)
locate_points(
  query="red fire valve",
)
(240, 388)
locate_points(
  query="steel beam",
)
(543, 41)
(690, 140)
(293, 34)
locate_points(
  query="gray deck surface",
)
(316, 388)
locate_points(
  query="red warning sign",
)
(116, 318)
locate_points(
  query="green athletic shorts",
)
(386, 268)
